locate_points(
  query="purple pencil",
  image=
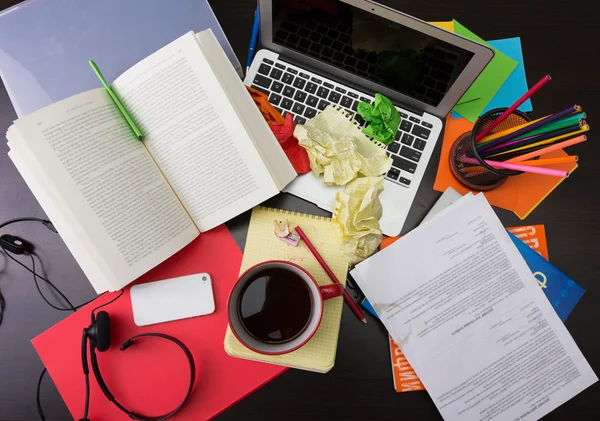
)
(549, 119)
(558, 132)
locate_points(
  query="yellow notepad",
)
(261, 244)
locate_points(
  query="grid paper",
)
(318, 354)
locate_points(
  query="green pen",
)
(118, 103)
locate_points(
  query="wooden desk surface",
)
(558, 37)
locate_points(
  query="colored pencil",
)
(548, 149)
(527, 148)
(552, 161)
(332, 276)
(534, 163)
(489, 138)
(549, 128)
(513, 107)
(494, 136)
(515, 145)
(543, 123)
(527, 168)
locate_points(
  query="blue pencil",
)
(253, 40)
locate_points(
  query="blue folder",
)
(45, 45)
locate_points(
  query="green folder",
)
(481, 92)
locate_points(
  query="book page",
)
(194, 134)
(101, 182)
(265, 142)
(471, 319)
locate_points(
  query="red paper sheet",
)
(151, 377)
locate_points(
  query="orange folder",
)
(520, 194)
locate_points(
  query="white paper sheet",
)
(460, 301)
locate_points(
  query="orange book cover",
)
(405, 378)
(534, 236)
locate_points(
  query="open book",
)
(123, 206)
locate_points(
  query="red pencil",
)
(335, 280)
(513, 107)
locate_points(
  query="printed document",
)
(460, 301)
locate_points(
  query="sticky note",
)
(489, 82)
(516, 84)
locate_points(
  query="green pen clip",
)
(118, 103)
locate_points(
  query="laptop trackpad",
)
(311, 188)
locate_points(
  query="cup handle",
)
(331, 291)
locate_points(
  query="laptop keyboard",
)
(290, 90)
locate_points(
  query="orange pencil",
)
(548, 149)
(551, 161)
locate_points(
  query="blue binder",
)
(45, 45)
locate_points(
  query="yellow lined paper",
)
(261, 244)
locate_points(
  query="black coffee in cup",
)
(275, 305)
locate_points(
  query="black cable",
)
(45, 222)
(73, 308)
(35, 276)
(37, 398)
(109, 302)
(37, 285)
(2, 306)
(87, 395)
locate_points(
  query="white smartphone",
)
(172, 299)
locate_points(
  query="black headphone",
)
(99, 335)
(98, 332)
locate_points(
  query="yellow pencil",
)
(583, 129)
(551, 161)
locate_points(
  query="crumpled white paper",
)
(357, 212)
(338, 149)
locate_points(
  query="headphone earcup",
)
(102, 331)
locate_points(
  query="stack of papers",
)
(471, 319)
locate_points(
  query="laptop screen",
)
(388, 53)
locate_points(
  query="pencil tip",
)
(364, 320)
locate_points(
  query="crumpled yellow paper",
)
(357, 212)
(338, 149)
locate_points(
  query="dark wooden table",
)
(558, 37)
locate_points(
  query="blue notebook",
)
(562, 292)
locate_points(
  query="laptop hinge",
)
(343, 81)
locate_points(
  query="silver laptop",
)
(316, 53)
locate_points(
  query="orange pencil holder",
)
(468, 166)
